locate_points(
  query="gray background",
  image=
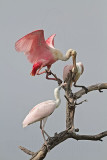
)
(81, 25)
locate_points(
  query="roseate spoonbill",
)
(40, 52)
(78, 68)
(42, 110)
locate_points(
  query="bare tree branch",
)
(70, 131)
(62, 136)
(26, 150)
(98, 87)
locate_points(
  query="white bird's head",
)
(70, 53)
(57, 90)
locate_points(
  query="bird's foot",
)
(86, 89)
(59, 81)
(54, 75)
(48, 73)
(100, 91)
(83, 87)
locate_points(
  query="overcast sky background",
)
(80, 25)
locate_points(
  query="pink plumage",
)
(39, 52)
(40, 112)
(36, 49)
(79, 68)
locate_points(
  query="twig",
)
(26, 150)
(81, 102)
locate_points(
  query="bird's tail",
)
(36, 66)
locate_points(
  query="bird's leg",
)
(37, 73)
(47, 134)
(54, 75)
(44, 122)
(48, 72)
(86, 89)
(43, 133)
(47, 76)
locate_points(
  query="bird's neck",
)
(74, 62)
(66, 56)
(59, 56)
(57, 96)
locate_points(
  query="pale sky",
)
(80, 25)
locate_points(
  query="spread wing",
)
(50, 41)
(33, 45)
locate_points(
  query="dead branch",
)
(68, 133)
(98, 87)
(59, 138)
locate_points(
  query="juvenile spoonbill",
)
(78, 68)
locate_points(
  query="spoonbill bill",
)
(42, 110)
(39, 52)
(78, 68)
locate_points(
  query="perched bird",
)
(78, 68)
(41, 111)
(39, 52)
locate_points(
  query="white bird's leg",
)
(44, 122)
(86, 90)
(43, 132)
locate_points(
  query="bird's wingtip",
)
(24, 125)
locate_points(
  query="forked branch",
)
(58, 138)
(68, 133)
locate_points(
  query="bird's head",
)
(57, 90)
(74, 54)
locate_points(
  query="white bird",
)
(41, 111)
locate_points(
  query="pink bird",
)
(78, 68)
(41, 111)
(39, 52)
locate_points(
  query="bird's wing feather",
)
(33, 45)
(50, 41)
(39, 112)
(24, 44)
(66, 70)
